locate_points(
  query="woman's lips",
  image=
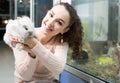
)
(47, 28)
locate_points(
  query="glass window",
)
(4, 13)
(41, 8)
(23, 7)
(4, 7)
(101, 46)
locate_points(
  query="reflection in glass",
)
(101, 40)
(23, 7)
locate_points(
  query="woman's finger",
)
(13, 38)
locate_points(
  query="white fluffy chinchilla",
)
(22, 27)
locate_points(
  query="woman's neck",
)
(44, 39)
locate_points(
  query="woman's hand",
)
(13, 39)
(30, 41)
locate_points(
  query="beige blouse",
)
(45, 66)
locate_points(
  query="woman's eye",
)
(50, 15)
(60, 23)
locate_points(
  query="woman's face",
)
(56, 21)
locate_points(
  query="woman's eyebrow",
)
(62, 20)
(52, 12)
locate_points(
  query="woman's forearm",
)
(24, 64)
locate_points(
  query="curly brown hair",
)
(74, 35)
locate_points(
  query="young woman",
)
(45, 57)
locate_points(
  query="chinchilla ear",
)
(18, 18)
(24, 16)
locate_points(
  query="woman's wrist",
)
(31, 42)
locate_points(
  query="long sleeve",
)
(53, 62)
(24, 64)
